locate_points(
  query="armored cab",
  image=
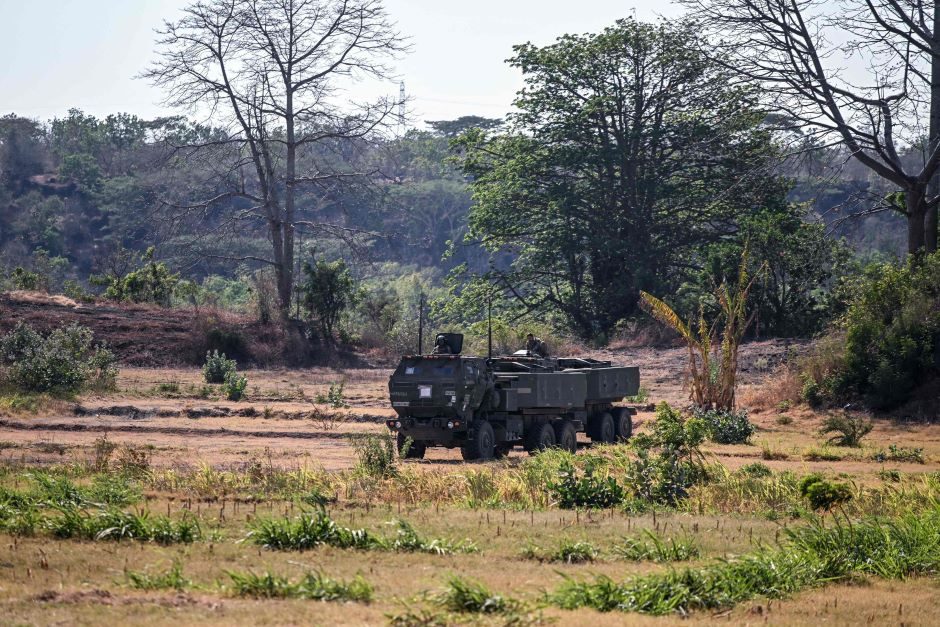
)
(486, 406)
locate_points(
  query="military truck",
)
(488, 405)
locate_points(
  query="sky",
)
(85, 54)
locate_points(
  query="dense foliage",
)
(65, 361)
(630, 152)
(886, 344)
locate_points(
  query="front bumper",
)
(429, 429)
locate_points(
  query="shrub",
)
(334, 397)
(897, 453)
(573, 491)
(466, 596)
(65, 361)
(823, 494)
(151, 283)
(848, 430)
(727, 426)
(217, 367)
(756, 470)
(234, 386)
(668, 461)
(376, 457)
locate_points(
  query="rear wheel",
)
(566, 436)
(623, 420)
(481, 445)
(605, 431)
(539, 438)
(415, 450)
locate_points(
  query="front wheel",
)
(410, 449)
(481, 444)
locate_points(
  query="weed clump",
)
(171, 579)
(376, 457)
(651, 547)
(312, 586)
(308, 531)
(334, 397)
(408, 541)
(567, 552)
(897, 453)
(115, 524)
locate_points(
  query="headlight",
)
(450, 424)
(398, 424)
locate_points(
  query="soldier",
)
(535, 346)
(441, 347)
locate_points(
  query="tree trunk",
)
(286, 288)
(933, 188)
(916, 213)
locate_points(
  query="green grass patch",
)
(811, 556)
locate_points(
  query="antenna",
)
(489, 324)
(401, 108)
(421, 325)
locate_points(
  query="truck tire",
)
(481, 445)
(539, 438)
(604, 430)
(566, 436)
(415, 451)
(623, 420)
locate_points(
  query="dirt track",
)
(181, 429)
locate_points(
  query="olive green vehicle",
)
(488, 405)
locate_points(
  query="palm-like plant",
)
(713, 361)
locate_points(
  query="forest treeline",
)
(634, 160)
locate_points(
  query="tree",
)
(629, 152)
(797, 265)
(453, 128)
(22, 152)
(327, 290)
(797, 51)
(269, 70)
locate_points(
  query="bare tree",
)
(269, 72)
(861, 73)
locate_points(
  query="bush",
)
(848, 430)
(823, 494)
(376, 457)
(217, 367)
(64, 361)
(568, 552)
(726, 426)
(653, 548)
(234, 386)
(668, 459)
(897, 453)
(891, 331)
(573, 491)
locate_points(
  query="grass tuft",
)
(312, 586)
(653, 548)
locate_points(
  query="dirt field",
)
(182, 425)
(164, 410)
